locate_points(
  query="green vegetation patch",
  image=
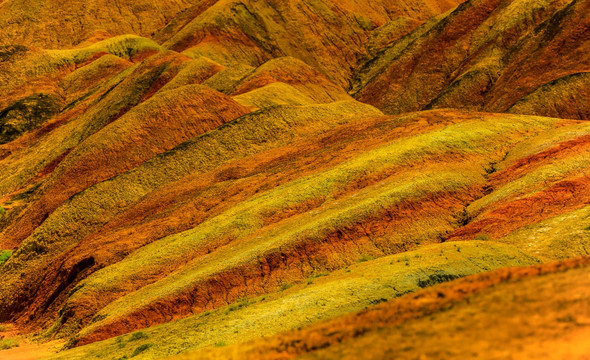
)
(139, 335)
(141, 348)
(6, 344)
(5, 255)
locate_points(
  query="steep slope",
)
(543, 180)
(256, 232)
(82, 215)
(30, 158)
(63, 24)
(207, 250)
(326, 34)
(534, 313)
(534, 62)
(565, 97)
(487, 55)
(151, 128)
(27, 71)
(286, 81)
(249, 168)
(321, 296)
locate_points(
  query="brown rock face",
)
(487, 55)
(63, 24)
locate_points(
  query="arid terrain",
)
(279, 179)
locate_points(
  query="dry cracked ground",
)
(280, 179)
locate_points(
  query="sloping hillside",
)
(329, 35)
(184, 177)
(64, 24)
(533, 313)
(526, 57)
